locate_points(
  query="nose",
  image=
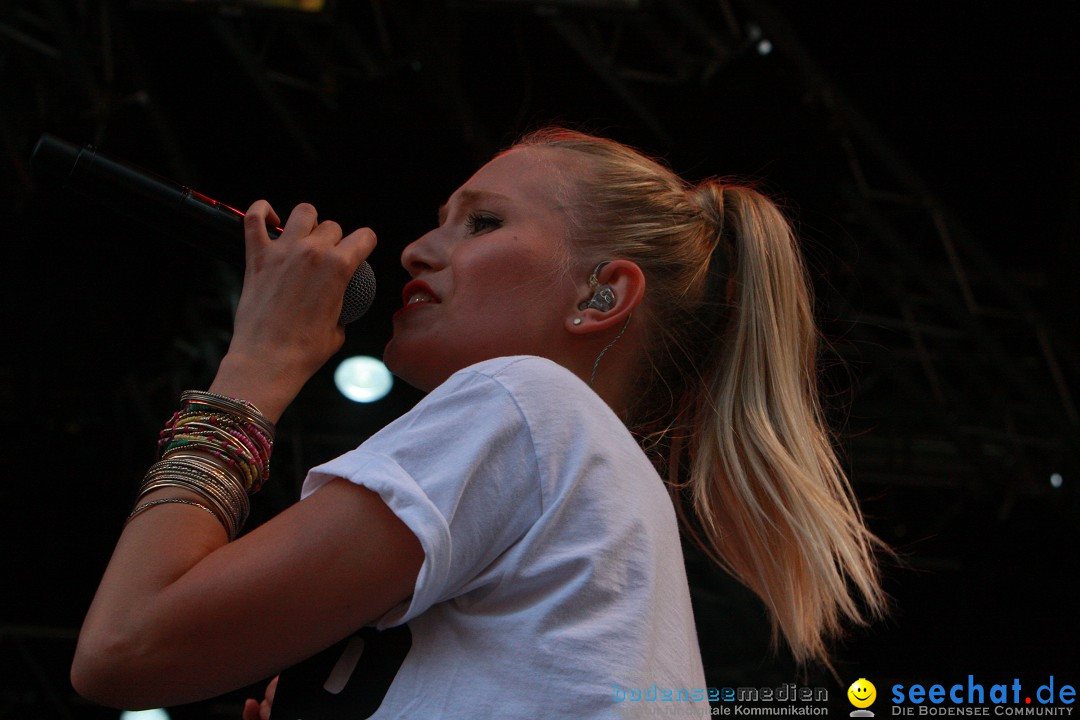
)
(419, 255)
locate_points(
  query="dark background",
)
(927, 152)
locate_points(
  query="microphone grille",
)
(358, 295)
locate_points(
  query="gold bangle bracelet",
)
(163, 501)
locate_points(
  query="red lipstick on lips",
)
(417, 289)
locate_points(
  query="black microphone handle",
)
(146, 196)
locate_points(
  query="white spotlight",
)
(158, 714)
(764, 47)
(363, 379)
(1056, 480)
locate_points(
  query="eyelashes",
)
(477, 222)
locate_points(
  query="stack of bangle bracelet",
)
(216, 447)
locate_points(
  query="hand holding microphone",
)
(144, 196)
(284, 329)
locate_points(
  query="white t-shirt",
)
(553, 580)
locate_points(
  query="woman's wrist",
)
(267, 385)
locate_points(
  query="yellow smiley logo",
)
(862, 693)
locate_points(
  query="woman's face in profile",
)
(491, 280)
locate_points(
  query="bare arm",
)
(181, 614)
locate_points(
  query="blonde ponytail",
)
(767, 489)
(729, 394)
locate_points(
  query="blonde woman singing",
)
(596, 337)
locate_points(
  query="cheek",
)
(489, 264)
(515, 274)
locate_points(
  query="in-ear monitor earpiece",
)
(603, 298)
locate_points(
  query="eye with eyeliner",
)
(477, 222)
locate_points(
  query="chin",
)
(420, 374)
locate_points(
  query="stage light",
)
(1056, 480)
(755, 34)
(158, 714)
(363, 379)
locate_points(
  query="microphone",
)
(142, 195)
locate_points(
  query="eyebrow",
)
(471, 197)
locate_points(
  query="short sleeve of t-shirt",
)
(460, 471)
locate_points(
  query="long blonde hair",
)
(730, 399)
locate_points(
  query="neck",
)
(611, 368)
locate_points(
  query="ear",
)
(626, 280)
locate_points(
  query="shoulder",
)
(502, 391)
(522, 374)
(480, 408)
(541, 391)
(574, 433)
